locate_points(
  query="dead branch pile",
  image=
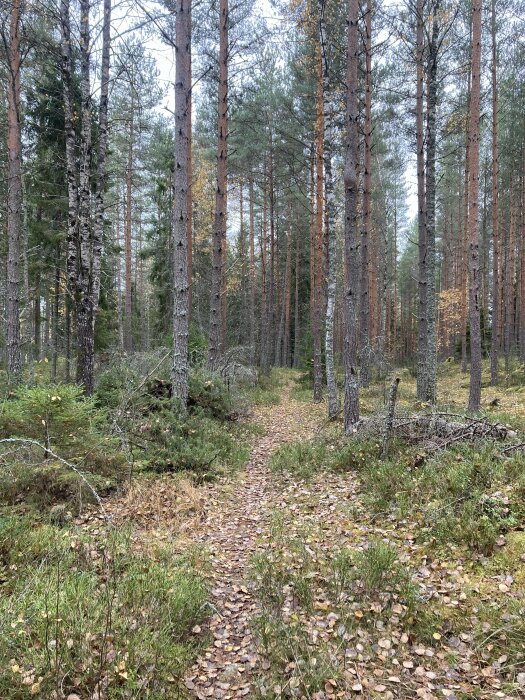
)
(440, 430)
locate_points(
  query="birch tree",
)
(329, 139)
(351, 408)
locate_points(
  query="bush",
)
(457, 492)
(65, 424)
(209, 394)
(57, 415)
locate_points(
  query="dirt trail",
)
(234, 521)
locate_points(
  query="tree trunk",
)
(271, 275)
(364, 310)
(14, 198)
(83, 297)
(244, 322)
(128, 299)
(287, 292)
(180, 368)
(421, 206)
(252, 273)
(351, 409)
(190, 183)
(100, 189)
(331, 234)
(217, 307)
(56, 309)
(430, 211)
(474, 301)
(118, 275)
(508, 288)
(265, 341)
(296, 327)
(318, 236)
(72, 252)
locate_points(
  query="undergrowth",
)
(305, 591)
(83, 616)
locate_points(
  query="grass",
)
(80, 612)
(267, 391)
(329, 452)
(100, 610)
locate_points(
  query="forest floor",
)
(314, 595)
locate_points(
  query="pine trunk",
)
(318, 236)
(128, 298)
(421, 206)
(296, 326)
(217, 301)
(364, 310)
(252, 273)
(430, 211)
(474, 287)
(14, 198)
(180, 367)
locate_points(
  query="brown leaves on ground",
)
(295, 612)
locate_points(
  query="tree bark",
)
(287, 293)
(83, 297)
(128, 223)
(14, 197)
(318, 236)
(430, 211)
(72, 252)
(296, 326)
(216, 328)
(56, 309)
(102, 149)
(265, 340)
(351, 409)
(474, 301)
(509, 282)
(180, 367)
(252, 272)
(421, 206)
(330, 209)
(364, 310)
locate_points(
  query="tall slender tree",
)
(351, 408)
(364, 310)
(179, 371)
(14, 193)
(473, 192)
(430, 211)
(421, 205)
(330, 205)
(217, 301)
(495, 340)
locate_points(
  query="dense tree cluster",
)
(274, 212)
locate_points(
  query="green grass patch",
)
(80, 613)
(306, 459)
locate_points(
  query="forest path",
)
(236, 518)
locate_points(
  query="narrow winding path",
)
(229, 532)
